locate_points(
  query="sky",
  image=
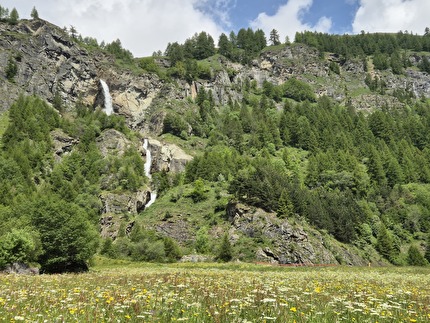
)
(145, 26)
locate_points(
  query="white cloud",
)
(288, 19)
(392, 16)
(143, 26)
(219, 9)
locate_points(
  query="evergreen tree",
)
(285, 205)
(384, 243)
(11, 69)
(4, 13)
(14, 16)
(225, 252)
(274, 37)
(34, 13)
(415, 258)
(171, 250)
(225, 47)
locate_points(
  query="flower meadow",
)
(219, 293)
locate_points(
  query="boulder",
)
(167, 157)
(63, 144)
(21, 269)
(112, 142)
(124, 203)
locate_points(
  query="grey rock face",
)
(290, 244)
(21, 269)
(167, 157)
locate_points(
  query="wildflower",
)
(293, 309)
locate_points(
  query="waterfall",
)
(147, 168)
(108, 99)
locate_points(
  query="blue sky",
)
(144, 26)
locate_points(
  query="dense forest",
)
(362, 177)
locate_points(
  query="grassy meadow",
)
(219, 293)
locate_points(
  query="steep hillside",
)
(292, 155)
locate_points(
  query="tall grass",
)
(219, 293)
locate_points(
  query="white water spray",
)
(108, 99)
(147, 168)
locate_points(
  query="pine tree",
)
(14, 16)
(34, 13)
(285, 206)
(274, 37)
(415, 258)
(384, 243)
(225, 252)
(11, 69)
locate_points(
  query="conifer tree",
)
(14, 16)
(285, 206)
(11, 69)
(384, 243)
(34, 13)
(415, 258)
(274, 37)
(225, 252)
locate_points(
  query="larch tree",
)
(274, 37)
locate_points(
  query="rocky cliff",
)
(49, 61)
(287, 241)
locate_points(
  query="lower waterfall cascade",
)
(147, 168)
(108, 108)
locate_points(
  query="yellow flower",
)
(293, 309)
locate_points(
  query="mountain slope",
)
(278, 153)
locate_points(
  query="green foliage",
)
(225, 251)
(334, 67)
(298, 90)
(173, 123)
(4, 13)
(427, 251)
(68, 239)
(14, 16)
(171, 250)
(202, 241)
(19, 245)
(384, 244)
(115, 48)
(285, 205)
(198, 193)
(274, 38)
(365, 44)
(148, 64)
(11, 69)
(415, 258)
(34, 14)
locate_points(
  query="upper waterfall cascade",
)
(108, 108)
(147, 168)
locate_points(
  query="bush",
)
(415, 258)
(175, 124)
(171, 250)
(19, 245)
(298, 90)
